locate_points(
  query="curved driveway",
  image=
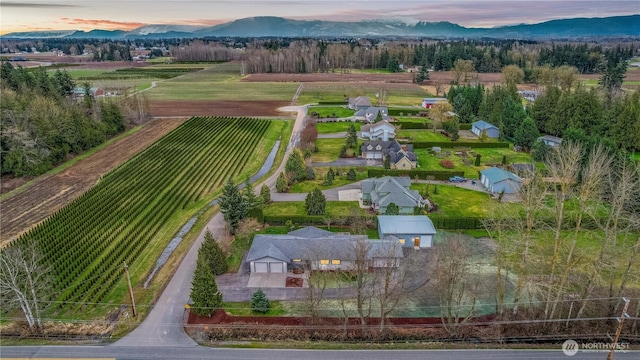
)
(163, 327)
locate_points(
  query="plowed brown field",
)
(215, 108)
(29, 206)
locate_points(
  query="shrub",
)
(447, 164)
(259, 302)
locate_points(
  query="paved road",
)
(201, 352)
(163, 325)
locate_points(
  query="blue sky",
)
(32, 15)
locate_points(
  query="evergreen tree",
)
(527, 134)
(295, 166)
(387, 162)
(259, 302)
(478, 158)
(204, 290)
(311, 174)
(282, 183)
(423, 74)
(315, 203)
(392, 209)
(483, 136)
(328, 180)
(352, 135)
(351, 174)
(250, 197)
(213, 254)
(540, 151)
(265, 194)
(232, 205)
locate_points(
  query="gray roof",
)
(483, 125)
(311, 232)
(400, 224)
(396, 156)
(371, 113)
(288, 247)
(368, 127)
(360, 101)
(386, 146)
(496, 175)
(551, 138)
(387, 190)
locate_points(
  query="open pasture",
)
(405, 94)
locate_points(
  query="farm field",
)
(396, 93)
(131, 213)
(32, 203)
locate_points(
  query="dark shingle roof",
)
(311, 232)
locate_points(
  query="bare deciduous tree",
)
(454, 284)
(389, 277)
(25, 281)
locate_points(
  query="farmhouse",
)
(379, 131)
(403, 159)
(378, 193)
(552, 141)
(372, 114)
(360, 102)
(378, 149)
(530, 95)
(491, 130)
(497, 180)
(428, 103)
(317, 249)
(79, 92)
(409, 231)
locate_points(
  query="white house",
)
(381, 130)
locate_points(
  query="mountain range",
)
(269, 26)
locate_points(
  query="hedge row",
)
(420, 174)
(309, 219)
(454, 144)
(404, 112)
(457, 222)
(461, 126)
(405, 125)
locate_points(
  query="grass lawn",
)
(328, 150)
(421, 135)
(340, 180)
(331, 111)
(407, 94)
(414, 119)
(334, 127)
(293, 208)
(80, 73)
(494, 156)
(455, 201)
(244, 309)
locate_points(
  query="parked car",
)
(457, 179)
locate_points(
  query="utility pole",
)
(619, 330)
(133, 303)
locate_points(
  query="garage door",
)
(261, 267)
(276, 267)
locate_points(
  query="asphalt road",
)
(177, 353)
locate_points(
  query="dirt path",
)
(47, 194)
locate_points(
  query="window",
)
(401, 241)
(335, 262)
(324, 262)
(297, 260)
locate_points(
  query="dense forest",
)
(42, 122)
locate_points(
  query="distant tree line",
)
(41, 123)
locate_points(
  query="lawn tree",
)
(204, 290)
(454, 284)
(351, 174)
(328, 179)
(352, 136)
(213, 254)
(439, 113)
(616, 220)
(589, 190)
(282, 185)
(311, 174)
(259, 302)
(563, 168)
(316, 285)
(453, 127)
(315, 203)
(612, 76)
(295, 166)
(392, 209)
(478, 158)
(483, 136)
(540, 151)
(265, 194)
(232, 205)
(387, 162)
(25, 282)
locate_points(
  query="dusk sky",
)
(34, 15)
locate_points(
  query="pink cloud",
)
(103, 24)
